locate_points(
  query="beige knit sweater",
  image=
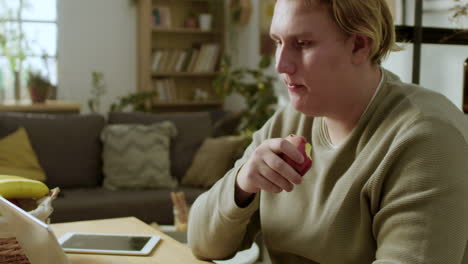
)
(396, 191)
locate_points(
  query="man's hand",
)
(265, 170)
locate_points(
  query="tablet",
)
(128, 244)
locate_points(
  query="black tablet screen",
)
(103, 242)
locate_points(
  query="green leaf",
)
(265, 62)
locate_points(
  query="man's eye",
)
(302, 43)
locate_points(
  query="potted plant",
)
(38, 87)
(191, 21)
(139, 102)
(255, 86)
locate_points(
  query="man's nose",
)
(284, 61)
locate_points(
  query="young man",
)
(388, 183)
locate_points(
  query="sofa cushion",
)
(137, 156)
(213, 159)
(18, 158)
(192, 129)
(98, 203)
(68, 146)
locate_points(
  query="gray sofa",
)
(69, 149)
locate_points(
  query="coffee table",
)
(168, 250)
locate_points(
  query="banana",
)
(19, 187)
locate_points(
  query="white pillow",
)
(137, 156)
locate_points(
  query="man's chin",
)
(303, 106)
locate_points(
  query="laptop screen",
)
(35, 237)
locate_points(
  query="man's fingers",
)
(281, 167)
(281, 145)
(266, 185)
(275, 178)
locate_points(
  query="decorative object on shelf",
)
(255, 86)
(200, 95)
(162, 17)
(204, 21)
(191, 21)
(98, 89)
(38, 87)
(240, 11)
(139, 101)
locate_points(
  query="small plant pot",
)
(38, 95)
(191, 22)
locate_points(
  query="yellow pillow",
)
(213, 159)
(19, 187)
(17, 156)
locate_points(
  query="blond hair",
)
(371, 18)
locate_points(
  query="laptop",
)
(36, 238)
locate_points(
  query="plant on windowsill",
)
(255, 86)
(38, 87)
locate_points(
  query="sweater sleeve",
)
(218, 228)
(423, 209)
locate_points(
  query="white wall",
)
(96, 35)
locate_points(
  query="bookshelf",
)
(178, 56)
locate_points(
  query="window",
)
(29, 27)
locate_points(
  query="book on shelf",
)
(156, 60)
(166, 89)
(161, 17)
(193, 60)
(186, 63)
(159, 60)
(180, 60)
(197, 59)
(213, 59)
(173, 63)
(208, 58)
(200, 59)
(167, 60)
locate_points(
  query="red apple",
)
(305, 148)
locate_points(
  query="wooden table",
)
(168, 250)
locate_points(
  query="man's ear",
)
(361, 49)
